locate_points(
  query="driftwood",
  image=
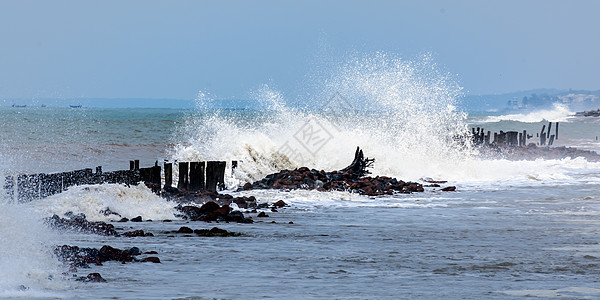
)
(359, 165)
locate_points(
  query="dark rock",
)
(137, 233)
(262, 215)
(152, 259)
(134, 251)
(215, 231)
(449, 189)
(124, 220)
(247, 186)
(209, 207)
(137, 219)
(108, 212)
(92, 277)
(185, 230)
(80, 224)
(191, 212)
(151, 252)
(279, 204)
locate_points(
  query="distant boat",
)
(75, 106)
(14, 105)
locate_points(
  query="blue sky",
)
(173, 49)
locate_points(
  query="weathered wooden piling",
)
(184, 180)
(556, 134)
(551, 140)
(549, 129)
(196, 176)
(215, 175)
(543, 136)
(168, 174)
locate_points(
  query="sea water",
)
(512, 229)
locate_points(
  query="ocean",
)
(512, 228)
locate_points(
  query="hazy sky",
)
(173, 49)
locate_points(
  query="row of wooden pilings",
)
(513, 138)
(193, 176)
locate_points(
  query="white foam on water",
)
(558, 113)
(402, 113)
(27, 266)
(91, 200)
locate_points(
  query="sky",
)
(174, 49)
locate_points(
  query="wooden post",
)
(168, 174)
(524, 137)
(99, 170)
(196, 176)
(520, 139)
(215, 175)
(556, 134)
(184, 181)
(137, 164)
(549, 129)
(487, 138)
(131, 165)
(543, 135)
(221, 166)
(551, 140)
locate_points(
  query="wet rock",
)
(449, 189)
(134, 251)
(247, 186)
(80, 224)
(137, 233)
(215, 231)
(279, 204)
(351, 179)
(108, 212)
(262, 215)
(124, 220)
(152, 259)
(185, 229)
(137, 219)
(77, 257)
(108, 253)
(92, 277)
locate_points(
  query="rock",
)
(449, 189)
(209, 207)
(247, 186)
(80, 224)
(124, 220)
(215, 231)
(108, 212)
(137, 219)
(108, 253)
(185, 230)
(151, 252)
(279, 204)
(262, 215)
(134, 251)
(92, 277)
(152, 259)
(191, 212)
(137, 233)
